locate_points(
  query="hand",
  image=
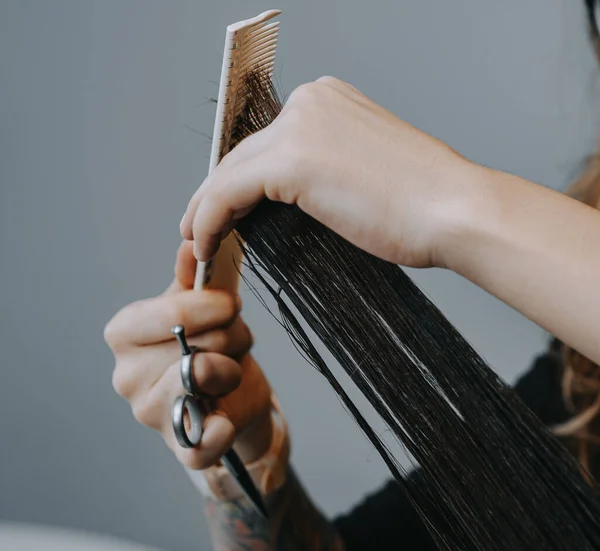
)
(147, 367)
(382, 184)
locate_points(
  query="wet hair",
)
(494, 477)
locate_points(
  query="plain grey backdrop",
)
(100, 102)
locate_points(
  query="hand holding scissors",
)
(147, 369)
(196, 406)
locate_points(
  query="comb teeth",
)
(250, 47)
(258, 30)
(259, 44)
(258, 60)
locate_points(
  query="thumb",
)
(185, 269)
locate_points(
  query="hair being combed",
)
(494, 478)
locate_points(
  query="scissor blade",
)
(236, 467)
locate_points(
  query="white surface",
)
(30, 537)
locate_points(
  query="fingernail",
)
(238, 301)
(182, 221)
(196, 252)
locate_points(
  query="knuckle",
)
(305, 93)
(122, 381)
(143, 411)
(228, 307)
(326, 79)
(249, 338)
(295, 158)
(113, 330)
(218, 341)
(218, 191)
(246, 341)
(110, 333)
(241, 340)
(174, 312)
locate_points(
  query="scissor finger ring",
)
(190, 403)
(187, 372)
(181, 405)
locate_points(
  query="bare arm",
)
(294, 525)
(535, 249)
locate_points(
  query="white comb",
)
(249, 45)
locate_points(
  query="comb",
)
(250, 45)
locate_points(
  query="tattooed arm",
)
(295, 524)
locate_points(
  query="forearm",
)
(536, 250)
(294, 523)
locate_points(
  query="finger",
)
(215, 375)
(251, 147)
(150, 321)
(135, 375)
(210, 224)
(185, 269)
(232, 193)
(233, 341)
(218, 436)
(151, 404)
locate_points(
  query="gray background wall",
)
(96, 166)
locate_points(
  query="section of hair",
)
(580, 377)
(495, 478)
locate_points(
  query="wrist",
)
(468, 218)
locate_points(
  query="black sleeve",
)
(387, 519)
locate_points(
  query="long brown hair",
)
(580, 376)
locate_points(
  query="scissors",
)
(195, 404)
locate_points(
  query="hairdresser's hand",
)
(147, 367)
(377, 181)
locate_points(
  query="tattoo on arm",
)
(294, 524)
